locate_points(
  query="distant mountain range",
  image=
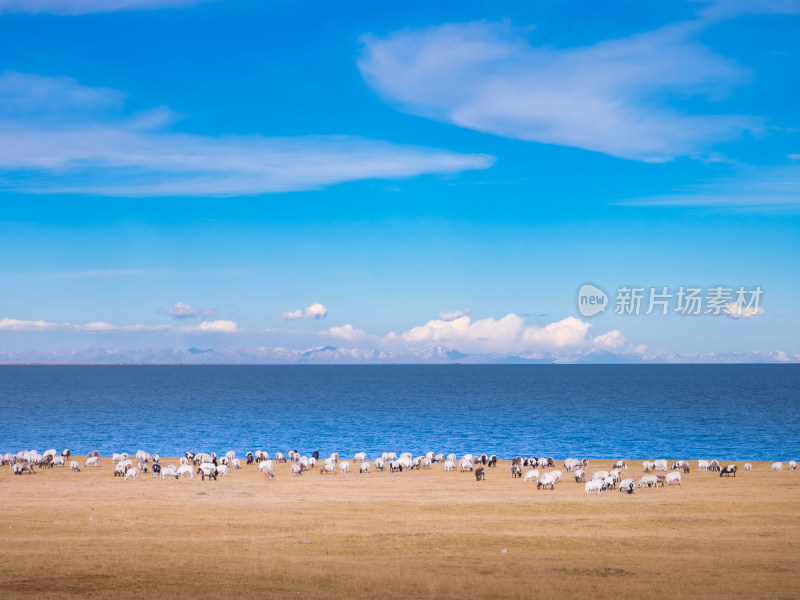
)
(344, 356)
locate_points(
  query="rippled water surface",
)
(731, 412)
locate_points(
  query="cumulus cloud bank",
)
(58, 136)
(607, 97)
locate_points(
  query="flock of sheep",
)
(658, 473)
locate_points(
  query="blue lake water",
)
(732, 412)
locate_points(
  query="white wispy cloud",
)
(772, 188)
(609, 97)
(348, 333)
(734, 310)
(219, 326)
(451, 315)
(312, 312)
(717, 10)
(82, 7)
(181, 310)
(23, 325)
(103, 327)
(58, 136)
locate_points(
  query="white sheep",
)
(595, 485)
(648, 481)
(792, 465)
(75, 466)
(551, 478)
(702, 465)
(452, 457)
(59, 460)
(230, 455)
(170, 472)
(267, 465)
(380, 463)
(426, 463)
(449, 465)
(296, 469)
(185, 470)
(674, 477)
(532, 475)
(599, 475)
(777, 466)
(131, 473)
(344, 467)
(360, 457)
(465, 465)
(209, 470)
(270, 472)
(236, 464)
(647, 465)
(116, 457)
(627, 485)
(364, 468)
(747, 466)
(580, 475)
(570, 464)
(660, 465)
(94, 461)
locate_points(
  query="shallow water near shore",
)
(733, 412)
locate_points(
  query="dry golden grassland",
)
(420, 534)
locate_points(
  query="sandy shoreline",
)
(420, 534)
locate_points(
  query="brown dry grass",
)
(426, 534)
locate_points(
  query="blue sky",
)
(390, 178)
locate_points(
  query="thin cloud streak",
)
(50, 143)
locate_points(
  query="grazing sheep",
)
(702, 465)
(395, 465)
(230, 455)
(595, 485)
(171, 472)
(674, 477)
(580, 475)
(599, 475)
(713, 465)
(626, 485)
(492, 461)
(328, 467)
(515, 471)
(449, 465)
(727, 470)
(344, 467)
(647, 465)
(532, 475)
(207, 469)
(66, 453)
(380, 463)
(620, 464)
(156, 469)
(551, 478)
(777, 466)
(23, 467)
(360, 457)
(117, 457)
(660, 465)
(480, 473)
(648, 481)
(58, 460)
(792, 465)
(570, 464)
(364, 468)
(155, 458)
(426, 463)
(296, 470)
(438, 458)
(122, 467)
(466, 465)
(269, 471)
(75, 466)
(250, 459)
(747, 466)
(94, 461)
(236, 464)
(131, 473)
(185, 470)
